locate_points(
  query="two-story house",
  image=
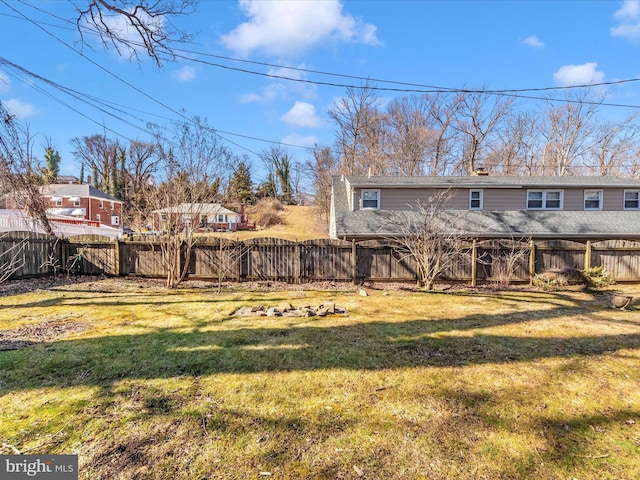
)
(80, 201)
(577, 208)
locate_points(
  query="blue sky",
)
(450, 44)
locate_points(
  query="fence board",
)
(621, 258)
(26, 254)
(559, 254)
(277, 259)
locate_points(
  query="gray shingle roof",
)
(487, 224)
(491, 181)
(76, 190)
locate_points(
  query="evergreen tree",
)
(52, 158)
(240, 186)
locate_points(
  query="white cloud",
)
(585, 74)
(629, 16)
(295, 139)
(275, 91)
(19, 108)
(302, 114)
(291, 27)
(533, 41)
(184, 74)
(5, 84)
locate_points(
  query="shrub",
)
(558, 278)
(597, 277)
(267, 212)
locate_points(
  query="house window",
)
(186, 218)
(112, 206)
(97, 217)
(115, 220)
(544, 200)
(222, 218)
(58, 201)
(632, 200)
(101, 204)
(475, 200)
(593, 199)
(76, 203)
(370, 199)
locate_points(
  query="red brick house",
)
(81, 202)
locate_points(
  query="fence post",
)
(354, 262)
(296, 263)
(474, 266)
(587, 255)
(532, 262)
(116, 257)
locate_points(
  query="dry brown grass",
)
(448, 385)
(298, 223)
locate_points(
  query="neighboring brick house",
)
(201, 216)
(81, 202)
(577, 208)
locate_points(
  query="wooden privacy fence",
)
(297, 262)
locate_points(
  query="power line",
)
(415, 87)
(155, 100)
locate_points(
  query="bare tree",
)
(516, 150)
(18, 169)
(136, 25)
(280, 167)
(409, 135)
(142, 165)
(11, 257)
(360, 132)
(104, 157)
(320, 171)
(479, 118)
(443, 109)
(613, 146)
(568, 133)
(504, 257)
(191, 166)
(428, 233)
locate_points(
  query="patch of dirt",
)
(37, 333)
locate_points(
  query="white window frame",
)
(97, 217)
(362, 199)
(58, 201)
(112, 206)
(544, 199)
(480, 199)
(101, 204)
(600, 199)
(637, 200)
(76, 203)
(115, 220)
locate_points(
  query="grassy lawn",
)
(299, 223)
(146, 383)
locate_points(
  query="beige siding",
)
(573, 199)
(613, 199)
(495, 199)
(402, 198)
(504, 199)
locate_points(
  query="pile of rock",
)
(285, 309)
